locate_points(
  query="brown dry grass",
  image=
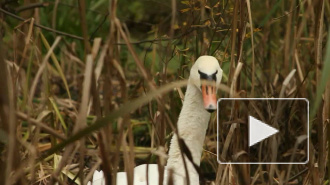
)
(64, 114)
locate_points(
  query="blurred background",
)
(74, 75)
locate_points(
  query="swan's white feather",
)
(140, 177)
(98, 178)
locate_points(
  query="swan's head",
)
(207, 68)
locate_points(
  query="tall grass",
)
(86, 94)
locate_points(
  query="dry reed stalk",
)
(109, 166)
(54, 16)
(303, 21)
(225, 179)
(308, 13)
(299, 140)
(241, 27)
(82, 14)
(96, 47)
(240, 50)
(43, 126)
(81, 119)
(27, 39)
(95, 94)
(286, 84)
(288, 39)
(228, 140)
(233, 42)
(92, 170)
(274, 142)
(203, 36)
(229, 137)
(318, 60)
(8, 121)
(252, 44)
(233, 87)
(128, 168)
(326, 119)
(32, 157)
(110, 161)
(128, 157)
(173, 18)
(100, 63)
(300, 72)
(57, 65)
(256, 175)
(40, 70)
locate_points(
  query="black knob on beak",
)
(210, 110)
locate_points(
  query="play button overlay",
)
(263, 131)
(259, 131)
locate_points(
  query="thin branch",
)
(43, 126)
(31, 6)
(288, 13)
(91, 38)
(41, 26)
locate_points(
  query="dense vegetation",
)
(74, 77)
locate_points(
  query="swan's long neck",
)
(192, 125)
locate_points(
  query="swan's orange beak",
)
(209, 97)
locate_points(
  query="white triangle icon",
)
(259, 131)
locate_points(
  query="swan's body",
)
(192, 126)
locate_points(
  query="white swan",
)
(199, 101)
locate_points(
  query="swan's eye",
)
(205, 76)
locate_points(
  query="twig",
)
(298, 174)
(215, 30)
(43, 126)
(287, 13)
(31, 6)
(91, 38)
(41, 26)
